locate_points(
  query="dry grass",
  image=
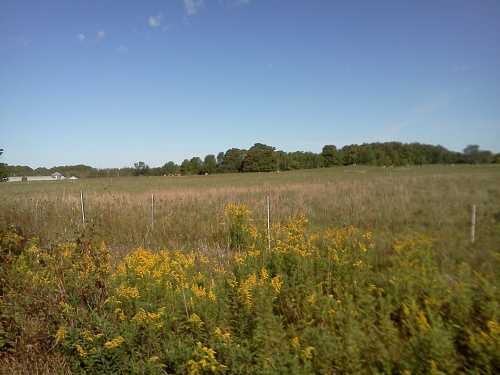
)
(189, 210)
(34, 364)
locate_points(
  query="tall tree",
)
(331, 156)
(220, 160)
(195, 165)
(3, 168)
(170, 168)
(141, 168)
(233, 158)
(260, 158)
(209, 164)
(474, 155)
(185, 167)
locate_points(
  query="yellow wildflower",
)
(422, 321)
(225, 336)
(308, 352)
(120, 314)
(494, 327)
(245, 289)
(206, 362)
(264, 275)
(60, 334)
(114, 343)
(295, 342)
(211, 295)
(81, 352)
(198, 291)
(358, 263)
(311, 299)
(87, 335)
(277, 283)
(127, 292)
(195, 320)
(253, 253)
(239, 258)
(147, 317)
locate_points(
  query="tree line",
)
(265, 158)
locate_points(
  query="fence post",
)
(473, 224)
(268, 224)
(152, 211)
(83, 208)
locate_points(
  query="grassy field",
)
(189, 210)
(368, 270)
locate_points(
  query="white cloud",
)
(192, 6)
(81, 37)
(101, 35)
(155, 21)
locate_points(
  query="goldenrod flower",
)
(225, 336)
(81, 352)
(211, 295)
(295, 342)
(120, 314)
(308, 352)
(115, 343)
(264, 275)
(422, 321)
(60, 334)
(195, 320)
(276, 283)
(87, 335)
(127, 292)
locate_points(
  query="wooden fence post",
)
(268, 224)
(83, 208)
(152, 211)
(473, 224)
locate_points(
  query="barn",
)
(56, 176)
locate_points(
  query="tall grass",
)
(189, 210)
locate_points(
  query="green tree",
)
(185, 167)
(170, 168)
(260, 158)
(283, 160)
(331, 156)
(141, 168)
(366, 156)
(220, 160)
(474, 155)
(210, 164)
(3, 168)
(232, 161)
(195, 165)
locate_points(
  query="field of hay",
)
(188, 211)
(364, 270)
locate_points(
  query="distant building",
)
(56, 176)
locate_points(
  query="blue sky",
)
(108, 83)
